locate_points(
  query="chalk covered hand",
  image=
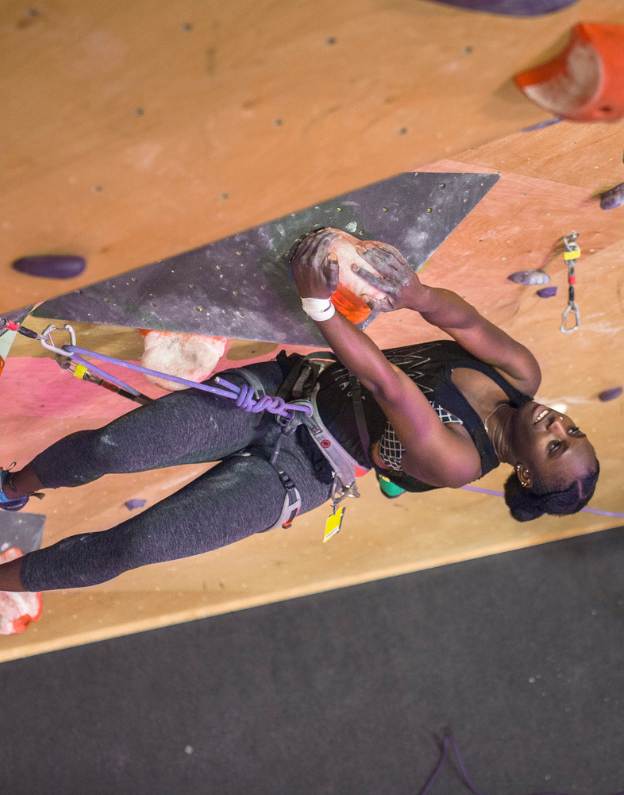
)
(314, 271)
(394, 277)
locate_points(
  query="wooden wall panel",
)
(245, 116)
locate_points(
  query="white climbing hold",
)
(190, 356)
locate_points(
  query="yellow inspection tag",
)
(80, 371)
(333, 524)
(568, 255)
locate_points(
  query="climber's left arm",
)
(449, 312)
(489, 343)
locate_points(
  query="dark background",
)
(520, 655)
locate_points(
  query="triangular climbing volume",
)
(240, 286)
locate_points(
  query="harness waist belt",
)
(343, 464)
(344, 467)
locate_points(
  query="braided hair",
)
(530, 503)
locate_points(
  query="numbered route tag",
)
(333, 524)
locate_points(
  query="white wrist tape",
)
(318, 308)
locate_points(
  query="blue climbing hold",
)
(529, 277)
(547, 292)
(51, 266)
(517, 8)
(541, 124)
(132, 505)
(610, 394)
(612, 198)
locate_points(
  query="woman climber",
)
(424, 416)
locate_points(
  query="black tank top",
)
(430, 366)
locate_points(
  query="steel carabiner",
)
(45, 338)
(571, 309)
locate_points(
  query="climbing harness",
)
(301, 386)
(292, 498)
(571, 253)
(344, 467)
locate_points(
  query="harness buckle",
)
(340, 491)
(290, 508)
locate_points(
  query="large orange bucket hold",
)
(586, 81)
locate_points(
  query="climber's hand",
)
(394, 277)
(314, 270)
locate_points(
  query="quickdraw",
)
(71, 357)
(571, 253)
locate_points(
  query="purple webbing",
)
(243, 395)
(462, 767)
(449, 742)
(434, 773)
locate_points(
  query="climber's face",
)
(550, 447)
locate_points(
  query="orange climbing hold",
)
(350, 305)
(586, 81)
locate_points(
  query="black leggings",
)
(240, 496)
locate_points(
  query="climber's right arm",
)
(316, 276)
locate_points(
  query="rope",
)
(242, 395)
(587, 509)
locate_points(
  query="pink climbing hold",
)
(51, 266)
(610, 394)
(612, 198)
(529, 277)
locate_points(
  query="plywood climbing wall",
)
(137, 132)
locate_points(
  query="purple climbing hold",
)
(610, 394)
(51, 266)
(518, 8)
(132, 505)
(547, 292)
(529, 277)
(613, 198)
